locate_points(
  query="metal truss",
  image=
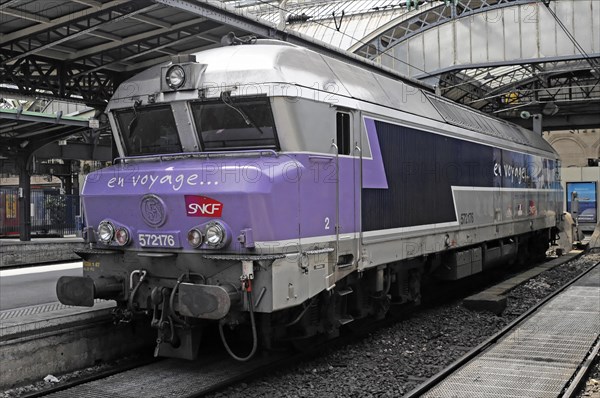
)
(36, 76)
(313, 10)
(40, 60)
(73, 27)
(534, 87)
(435, 12)
(23, 70)
(116, 54)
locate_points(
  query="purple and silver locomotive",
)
(282, 193)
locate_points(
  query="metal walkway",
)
(540, 356)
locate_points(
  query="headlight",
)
(106, 232)
(122, 236)
(215, 235)
(194, 238)
(175, 77)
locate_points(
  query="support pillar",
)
(68, 184)
(537, 123)
(75, 184)
(23, 163)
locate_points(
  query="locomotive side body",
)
(270, 186)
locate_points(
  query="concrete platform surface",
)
(56, 339)
(39, 241)
(15, 253)
(493, 299)
(21, 322)
(540, 355)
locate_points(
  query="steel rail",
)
(573, 386)
(450, 369)
(90, 378)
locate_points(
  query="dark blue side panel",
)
(421, 167)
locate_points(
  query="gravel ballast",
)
(392, 361)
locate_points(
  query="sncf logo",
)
(202, 206)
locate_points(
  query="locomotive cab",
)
(200, 218)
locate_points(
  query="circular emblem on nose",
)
(153, 211)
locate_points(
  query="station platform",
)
(493, 299)
(16, 253)
(15, 323)
(540, 355)
(54, 339)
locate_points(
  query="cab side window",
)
(343, 133)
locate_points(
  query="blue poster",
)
(587, 194)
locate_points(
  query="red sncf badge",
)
(202, 206)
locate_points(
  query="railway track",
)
(189, 379)
(167, 378)
(214, 372)
(158, 378)
(450, 379)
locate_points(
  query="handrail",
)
(161, 157)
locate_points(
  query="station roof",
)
(23, 132)
(341, 23)
(81, 50)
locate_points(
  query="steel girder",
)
(37, 60)
(70, 29)
(24, 71)
(551, 65)
(433, 13)
(567, 93)
(38, 76)
(523, 86)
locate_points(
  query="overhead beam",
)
(132, 39)
(149, 49)
(153, 21)
(90, 3)
(565, 122)
(13, 128)
(24, 15)
(50, 120)
(8, 4)
(31, 30)
(77, 34)
(105, 35)
(75, 151)
(52, 77)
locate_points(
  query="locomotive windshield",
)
(148, 130)
(234, 123)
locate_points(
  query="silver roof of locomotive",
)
(269, 63)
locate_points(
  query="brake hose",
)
(254, 334)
